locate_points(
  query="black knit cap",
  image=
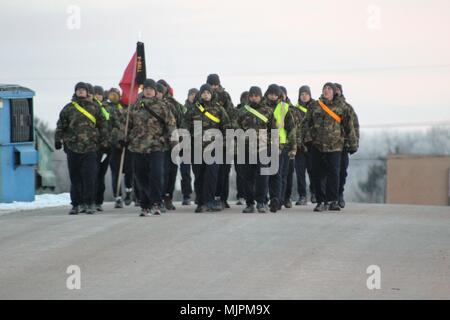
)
(150, 83)
(164, 83)
(213, 80)
(283, 89)
(99, 90)
(90, 88)
(273, 89)
(192, 91)
(115, 90)
(205, 87)
(81, 85)
(306, 89)
(255, 91)
(331, 85)
(161, 88)
(339, 86)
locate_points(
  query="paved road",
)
(296, 254)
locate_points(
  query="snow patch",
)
(41, 201)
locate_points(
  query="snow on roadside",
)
(41, 201)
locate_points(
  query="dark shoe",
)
(168, 203)
(341, 202)
(155, 210)
(334, 206)
(240, 202)
(163, 208)
(83, 208)
(313, 198)
(118, 204)
(301, 202)
(249, 209)
(128, 198)
(144, 213)
(90, 209)
(288, 204)
(74, 210)
(225, 205)
(137, 203)
(320, 207)
(261, 207)
(200, 209)
(186, 202)
(99, 207)
(213, 207)
(274, 205)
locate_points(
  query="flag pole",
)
(122, 157)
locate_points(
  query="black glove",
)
(351, 151)
(58, 145)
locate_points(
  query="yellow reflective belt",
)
(119, 106)
(256, 113)
(102, 108)
(85, 112)
(206, 113)
(280, 113)
(302, 108)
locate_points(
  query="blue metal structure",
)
(18, 156)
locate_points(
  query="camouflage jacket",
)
(78, 133)
(355, 121)
(289, 126)
(299, 114)
(194, 114)
(224, 99)
(247, 120)
(325, 133)
(146, 133)
(117, 119)
(175, 107)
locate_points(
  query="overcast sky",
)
(392, 57)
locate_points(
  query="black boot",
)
(334, 206)
(249, 209)
(74, 210)
(128, 198)
(341, 201)
(320, 207)
(274, 205)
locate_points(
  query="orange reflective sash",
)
(330, 112)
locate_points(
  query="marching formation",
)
(311, 137)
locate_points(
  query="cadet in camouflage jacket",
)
(214, 108)
(146, 132)
(79, 133)
(324, 132)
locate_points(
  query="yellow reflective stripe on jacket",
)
(280, 113)
(103, 109)
(207, 114)
(119, 106)
(85, 112)
(256, 113)
(302, 108)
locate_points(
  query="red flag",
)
(128, 82)
(134, 75)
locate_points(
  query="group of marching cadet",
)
(97, 131)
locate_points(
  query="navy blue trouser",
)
(186, 180)
(301, 164)
(205, 183)
(170, 175)
(149, 169)
(326, 169)
(278, 181)
(100, 182)
(114, 163)
(255, 184)
(83, 169)
(343, 172)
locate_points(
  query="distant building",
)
(418, 179)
